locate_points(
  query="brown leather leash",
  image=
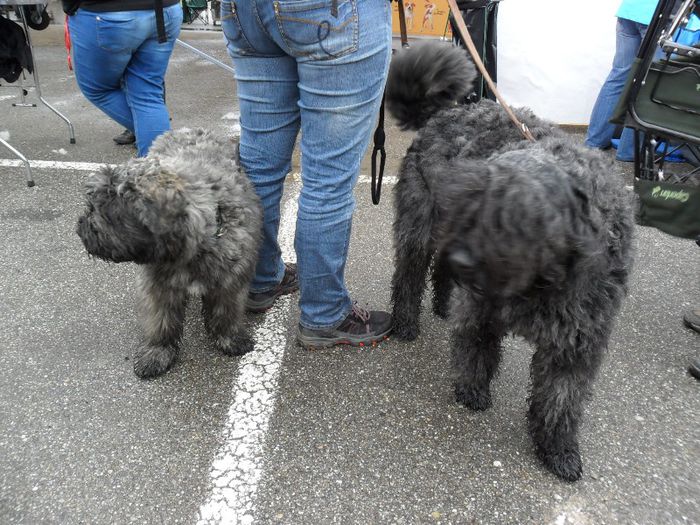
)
(467, 39)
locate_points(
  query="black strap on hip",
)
(160, 22)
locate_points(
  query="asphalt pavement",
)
(283, 435)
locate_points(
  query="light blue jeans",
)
(600, 130)
(120, 66)
(299, 66)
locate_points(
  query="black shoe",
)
(360, 328)
(125, 137)
(691, 319)
(262, 301)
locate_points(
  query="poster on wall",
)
(423, 18)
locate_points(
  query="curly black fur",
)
(538, 236)
(426, 80)
(190, 217)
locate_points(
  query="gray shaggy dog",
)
(536, 236)
(190, 217)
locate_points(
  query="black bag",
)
(671, 208)
(15, 53)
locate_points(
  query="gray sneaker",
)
(360, 328)
(125, 137)
(258, 303)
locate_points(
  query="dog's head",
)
(136, 212)
(514, 224)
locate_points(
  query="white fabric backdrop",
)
(553, 55)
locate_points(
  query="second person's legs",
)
(266, 80)
(145, 75)
(600, 131)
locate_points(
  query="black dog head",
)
(135, 212)
(515, 225)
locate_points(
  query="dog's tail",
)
(424, 79)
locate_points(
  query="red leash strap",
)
(66, 40)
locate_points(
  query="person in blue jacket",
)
(633, 17)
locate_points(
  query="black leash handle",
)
(379, 138)
(379, 135)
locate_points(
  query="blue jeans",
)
(300, 67)
(600, 131)
(120, 66)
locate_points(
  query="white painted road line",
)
(95, 166)
(54, 165)
(237, 466)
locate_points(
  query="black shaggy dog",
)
(189, 216)
(537, 237)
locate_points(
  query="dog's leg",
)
(561, 382)
(224, 318)
(442, 287)
(407, 286)
(476, 353)
(162, 314)
(412, 241)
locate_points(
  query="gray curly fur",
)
(538, 237)
(190, 217)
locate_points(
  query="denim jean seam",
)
(345, 312)
(272, 287)
(259, 20)
(234, 18)
(347, 309)
(351, 49)
(125, 89)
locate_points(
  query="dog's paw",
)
(474, 398)
(565, 462)
(235, 345)
(152, 361)
(404, 331)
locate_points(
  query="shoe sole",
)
(264, 306)
(691, 325)
(320, 343)
(694, 371)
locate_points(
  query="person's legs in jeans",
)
(144, 78)
(102, 47)
(340, 64)
(339, 100)
(114, 49)
(266, 80)
(600, 131)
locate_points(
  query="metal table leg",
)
(36, 80)
(30, 179)
(205, 56)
